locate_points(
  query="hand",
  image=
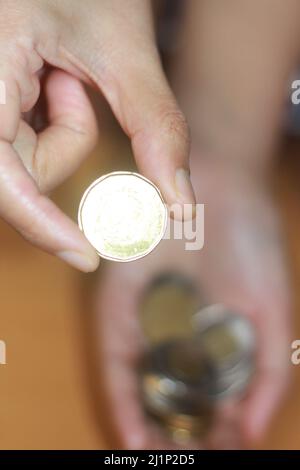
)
(240, 265)
(110, 44)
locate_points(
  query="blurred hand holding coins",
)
(123, 216)
(193, 362)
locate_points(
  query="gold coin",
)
(123, 216)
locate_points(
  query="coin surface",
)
(123, 216)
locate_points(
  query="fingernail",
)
(79, 260)
(184, 186)
(184, 189)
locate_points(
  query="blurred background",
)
(50, 388)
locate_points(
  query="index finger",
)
(22, 205)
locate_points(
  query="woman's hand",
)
(108, 43)
(241, 266)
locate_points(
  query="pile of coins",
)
(173, 380)
(229, 343)
(182, 378)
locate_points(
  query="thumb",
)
(158, 132)
(148, 113)
(130, 75)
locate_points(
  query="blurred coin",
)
(195, 357)
(184, 427)
(186, 361)
(123, 216)
(167, 307)
(228, 340)
(173, 390)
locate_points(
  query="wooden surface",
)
(46, 398)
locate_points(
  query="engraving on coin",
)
(123, 216)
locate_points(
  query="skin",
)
(232, 86)
(108, 44)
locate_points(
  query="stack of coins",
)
(182, 378)
(173, 387)
(228, 341)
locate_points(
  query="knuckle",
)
(29, 234)
(174, 122)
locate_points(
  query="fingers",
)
(37, 218)
(71, 135)
(226, 432)
(130, 75)
(58, 150)
(241, 424)
(272, 379)
(244, 423)
(256, 285)
(21, 204)
(269, 390)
